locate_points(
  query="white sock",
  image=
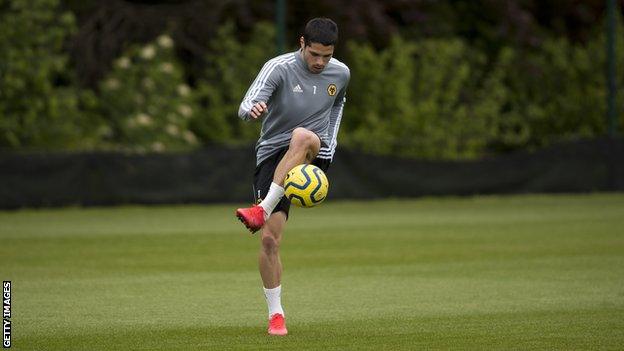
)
(272, 199)
(274, 300)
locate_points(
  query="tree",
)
(39, 105)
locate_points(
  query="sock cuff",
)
(276, 187)
(272, 291)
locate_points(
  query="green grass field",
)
(519, 272)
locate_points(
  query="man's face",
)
(316, 55)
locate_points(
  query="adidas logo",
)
(297, 89)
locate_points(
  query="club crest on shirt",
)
(331, 89)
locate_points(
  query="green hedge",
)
(440, 98)
(430, 98)
(40, 106)
(233, 66)
(426, 99)
(145, 101)
(556, 92)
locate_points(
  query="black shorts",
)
(263, 177)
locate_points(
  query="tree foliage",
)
(146, 101)
(442, 98)
(39, 105)
(428, 98)
(556, 92)
(234, 65)
(462, 88)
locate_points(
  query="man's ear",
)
(302, 42)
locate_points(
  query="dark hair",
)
(320, 30)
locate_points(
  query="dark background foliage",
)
(430, 79)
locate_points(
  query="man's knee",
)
(304, 137)
(270, 242)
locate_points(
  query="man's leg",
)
(271, 271)
(303, 148)
(269, 259)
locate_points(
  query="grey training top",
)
(296, 97)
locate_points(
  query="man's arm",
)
(254, 103)
(335, 117)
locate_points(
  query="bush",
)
(427, 99)
(557, 92)
(440, 98)
(146, 102)
(434, 98)
(233, 65)
(40, 107)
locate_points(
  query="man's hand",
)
(257, 110)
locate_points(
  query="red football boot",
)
(277, 325)
(252, 217)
